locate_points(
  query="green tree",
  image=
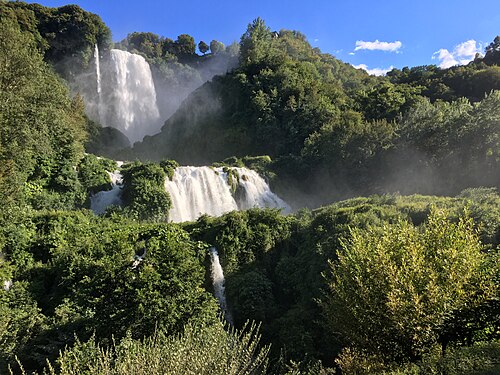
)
(185, 45)
(144, 192)
(203, 47)
(217, 47)
(255, 42)
(149, 44)
(41, 127)
(492, 56)
(392, 288)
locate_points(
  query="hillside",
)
(335, 222)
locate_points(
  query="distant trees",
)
(203, 47)
(148, 44)
(217, 47)
(184, 45)
(254, 42)
(492, 56)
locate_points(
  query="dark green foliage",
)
(93, 173)
(492, 56)
(334, 132)
(330, 129)
(479, 359)
(144, 191)
(274, 265)
(203, 47)
(267, 106)
(184, 46)
(42, 128)
(68, 33)
(105, 141)
(217, 47)
(169, 167)
(148, 44)
(75, 273)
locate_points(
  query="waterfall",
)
(196, 191)
(131, 106)
(199, 190)
(103, 199)
(218, 283)
(97, 69)
(7, 284)
(255, 192)
(98, 79)
(204, 190)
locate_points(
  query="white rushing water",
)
(255, 192)
(103, 199)
(218, 283)
(196, 191)
(7, 284)
(131, 107)
(199, 190)
(203, 190)
(97, 69)
(98, 79)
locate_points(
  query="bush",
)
(198, 350)
(394, 287)
(93, 173)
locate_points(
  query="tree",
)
(203, 47)
(184, 45)
(492, 56)
(254, 42)
(217, 47)
(147, 43)
(393, 288)
(41, 127)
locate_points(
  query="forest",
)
(385, 259)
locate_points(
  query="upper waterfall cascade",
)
(98, 81)
(126, 95)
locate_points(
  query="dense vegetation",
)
(420, 130)
(388, 283)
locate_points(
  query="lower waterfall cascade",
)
(103, 199)
(205, 190)
(219, 283)
(197, 191)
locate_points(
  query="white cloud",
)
(374, 71)
(316, 40)
(378, 46)
(461, 54)
(351, 53)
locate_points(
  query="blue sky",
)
(370, 34)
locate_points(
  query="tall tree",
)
(255, 42)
